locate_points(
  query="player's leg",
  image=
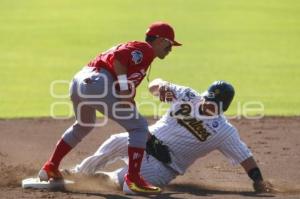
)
(136, 126)
(156, 172)
(152, 170)
(74, 134)
(136, 146)
(112, 149)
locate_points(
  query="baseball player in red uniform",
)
(107, 84)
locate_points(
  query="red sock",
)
(135, 156)
(62, 148)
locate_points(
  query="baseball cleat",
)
(137, 185)
(49, 172)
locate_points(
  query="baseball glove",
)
(263, 187)
(157, 149)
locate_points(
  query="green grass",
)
(253, 44)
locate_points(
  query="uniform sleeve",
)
(132, 55)
(123, 55)
(235, 149)
(183, 93)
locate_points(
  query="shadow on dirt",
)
(174, 191)
(199, 190)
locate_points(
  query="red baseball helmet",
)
(164, 30)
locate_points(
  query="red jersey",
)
(136, 56)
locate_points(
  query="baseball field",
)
(252, 44)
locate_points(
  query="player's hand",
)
(263, 187)
(166, 94)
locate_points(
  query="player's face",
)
(165, 46)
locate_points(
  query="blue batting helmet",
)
(220, 92)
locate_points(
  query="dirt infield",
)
(275, 142)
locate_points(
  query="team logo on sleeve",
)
(137, 56)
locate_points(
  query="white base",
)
(35, 183)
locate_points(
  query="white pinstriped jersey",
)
(187, 138)
(190, 138)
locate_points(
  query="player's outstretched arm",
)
(154, 86)
(160, 88)
(253, 171)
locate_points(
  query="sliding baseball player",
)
(193, 127)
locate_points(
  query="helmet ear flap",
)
(222, 93)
